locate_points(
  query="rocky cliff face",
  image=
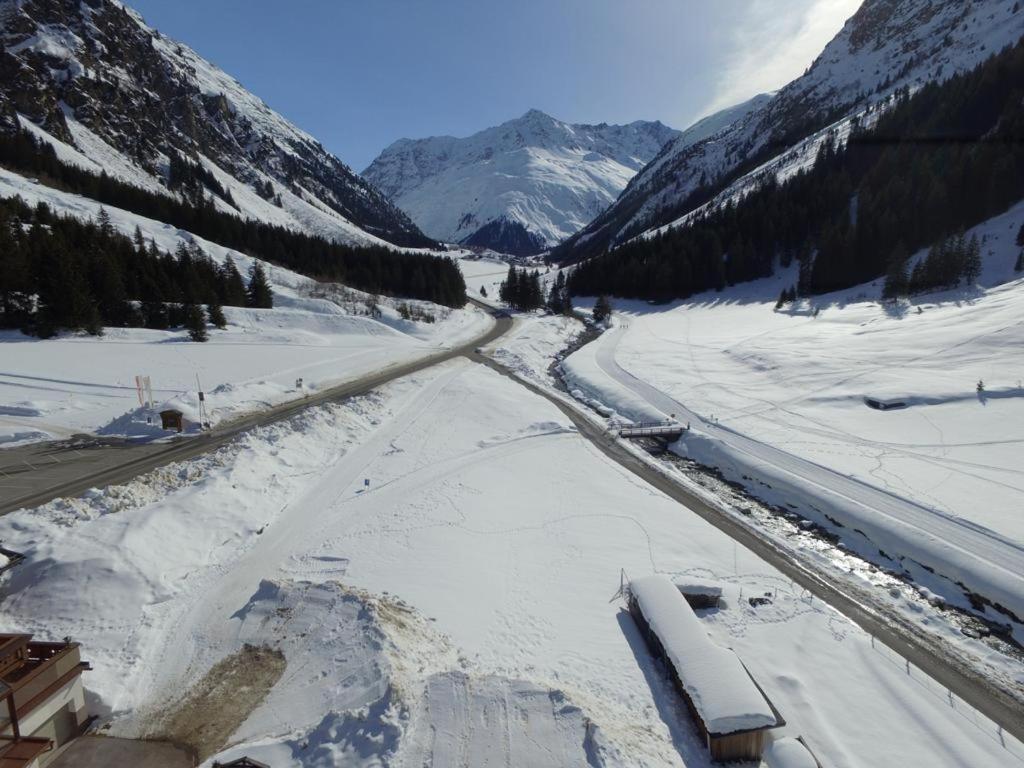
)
(887, 44)
(519, 187)
(110, 93)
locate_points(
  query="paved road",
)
(983, 560)
(35, 474)
(105, 463)
(893, 630)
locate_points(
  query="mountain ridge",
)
(885, 45)
(528, 182)
(107, 90)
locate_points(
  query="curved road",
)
(39, 473)
(109, 465)
(984, 561)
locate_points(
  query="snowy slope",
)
(77, 383)
(887, 44)
(518, 187)
(780, 397)
(111, 93)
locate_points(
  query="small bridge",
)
(668, 430)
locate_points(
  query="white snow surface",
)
(468, 584)
(714, 678)
(550, 176)
(78, 383)
(780, 397)
(788, 753)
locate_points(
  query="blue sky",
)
(358, 74)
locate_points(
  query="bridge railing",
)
(652, 429)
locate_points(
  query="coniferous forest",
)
(521, 289)
(374, 269)
(936, 162)
(60, 272)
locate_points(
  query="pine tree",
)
(1019, 265)
(1020, 236)
(602, 309)
(154, 315)
(104, 223)
(783, 296)
(195, 322)
(231, 285)
(216, 314)
(259, 293)
(897, 283)
(972, 261)
(803, 283)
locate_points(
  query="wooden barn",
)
(728, 708)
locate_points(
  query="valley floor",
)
(778, 402)
(436, 562)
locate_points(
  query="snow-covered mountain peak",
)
(885, 45)
(110, 93)
(520, 186)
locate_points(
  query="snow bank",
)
(722, 692)
(788, 753)
(534, 344)
(777, 402)
(591, 385)
(937, 549)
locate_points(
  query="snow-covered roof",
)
(698, 587)
(717, 683)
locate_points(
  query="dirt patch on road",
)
(220, 702)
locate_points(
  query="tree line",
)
(934, 164)
(60, 272)
(521, 289)
(374, 269)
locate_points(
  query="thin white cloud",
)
(774, 43)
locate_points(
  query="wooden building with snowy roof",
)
(42, 701)
(729, 709)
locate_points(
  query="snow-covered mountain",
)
(885, 45)
(112, 94)
(519, 187)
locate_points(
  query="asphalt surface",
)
(38, 473)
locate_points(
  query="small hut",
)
(242, 762)
(172, 419)
(729, 709)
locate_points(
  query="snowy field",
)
(750, 377)
(456, 610)
(83, 384)
(486, 272)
